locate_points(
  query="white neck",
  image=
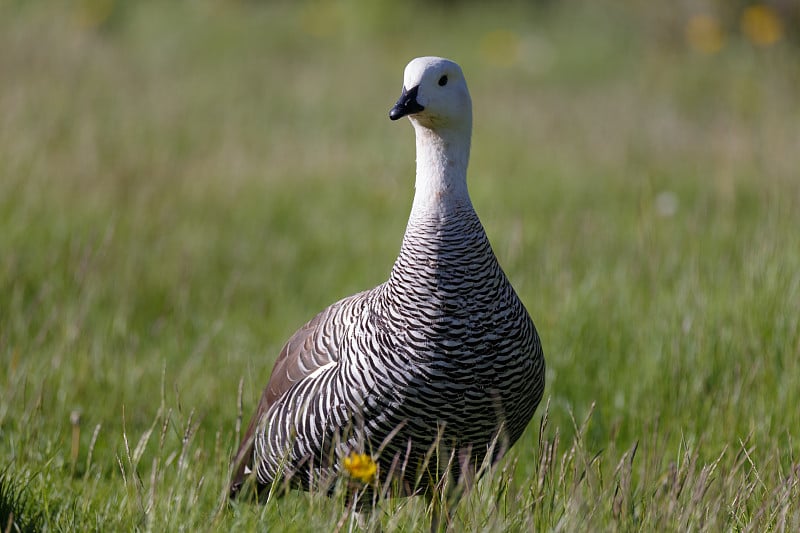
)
(442, 158)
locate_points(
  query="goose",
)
(442, 355)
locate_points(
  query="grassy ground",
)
(183, 184)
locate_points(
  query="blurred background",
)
(183, 184)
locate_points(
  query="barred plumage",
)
(443, 353)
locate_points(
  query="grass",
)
(182, 186)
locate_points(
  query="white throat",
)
(442, 159)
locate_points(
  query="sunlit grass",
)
(183, 185)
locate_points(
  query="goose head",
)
(434, 95)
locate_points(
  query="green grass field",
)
(183, 184)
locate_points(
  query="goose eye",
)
(443, 81)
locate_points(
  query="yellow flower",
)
(94, 13)
(500, 48)
(704, 33)
(360, 466)
(762, 25)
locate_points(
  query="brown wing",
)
(309, 349)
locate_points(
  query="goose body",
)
(441, 354)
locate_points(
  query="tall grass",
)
(183, 185)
